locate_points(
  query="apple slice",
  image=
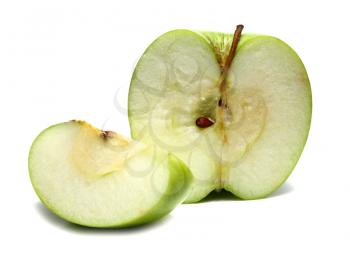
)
(236, 110)
(100, 179)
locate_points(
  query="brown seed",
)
(106, 134)
(220, 102)
(204, 122)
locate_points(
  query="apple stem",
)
(204, 121)
(229, 59)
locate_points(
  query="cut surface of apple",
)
(243, 133)
(100, 179)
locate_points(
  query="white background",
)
(62, 60)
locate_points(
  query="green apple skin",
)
(177, 187)
(179, 174)
(221, 42)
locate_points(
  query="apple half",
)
(100, 179)
(236, 109)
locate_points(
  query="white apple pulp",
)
(100, 179)
(258, 133)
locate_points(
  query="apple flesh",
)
(243, 132)
(100, 179)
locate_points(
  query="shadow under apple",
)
(65, 225)
(214, 196)
(224, 195)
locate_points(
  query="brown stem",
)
(229, 59)
(204, 121)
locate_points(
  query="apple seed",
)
(204, 122)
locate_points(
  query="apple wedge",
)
(236, 109)
(100, 179)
